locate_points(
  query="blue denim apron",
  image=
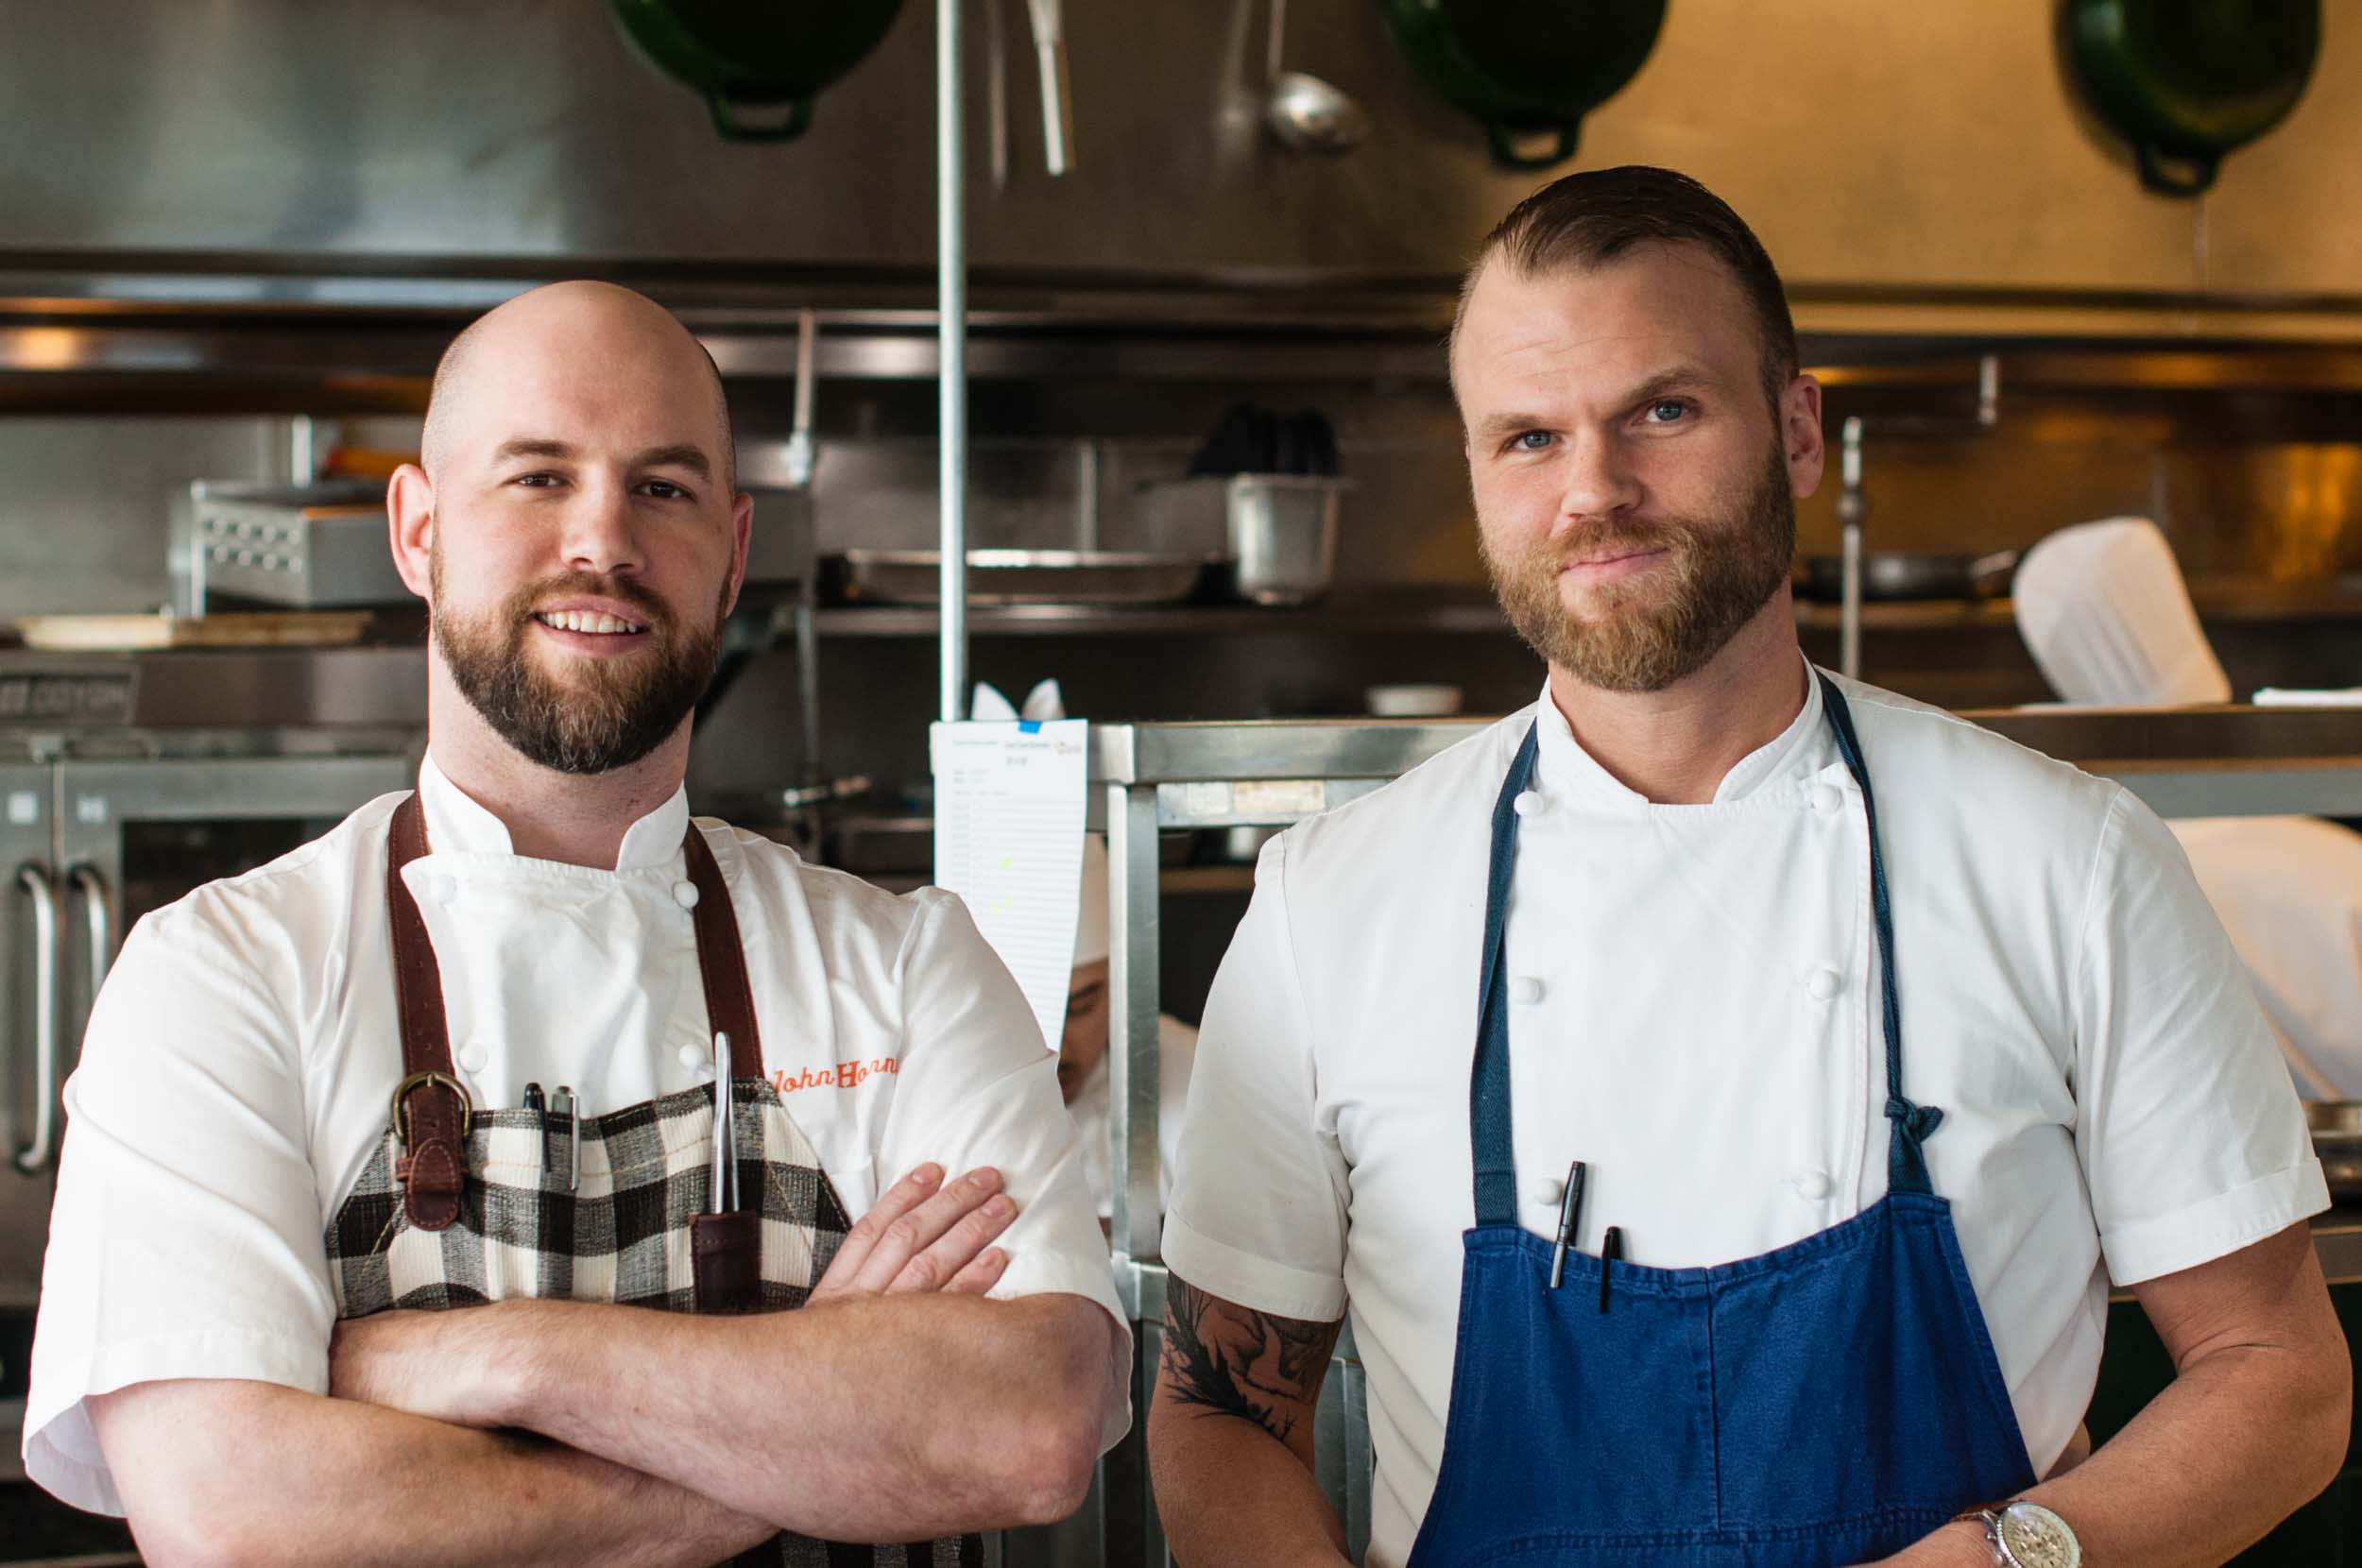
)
(1824, 1405)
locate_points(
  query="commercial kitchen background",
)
(233, 236)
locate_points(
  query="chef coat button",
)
(1824, 984)
(685, 894)
(476, 1056)
(1813, 1184)
(1525, 989)
(694, 1057)
(446, 889)
(1528, 802)
(1551, 1190)
(1826, 798)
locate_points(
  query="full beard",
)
(1646, 635)
(610, 713)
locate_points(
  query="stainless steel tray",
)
(1016, 577)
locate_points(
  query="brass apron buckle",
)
(420, 1079)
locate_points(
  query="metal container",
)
(305, 546)
(1278, 531)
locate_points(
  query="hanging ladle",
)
(1304, 111)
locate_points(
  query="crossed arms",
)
(2254, 1423)
(898, 1405)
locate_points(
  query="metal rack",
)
(1150, 778)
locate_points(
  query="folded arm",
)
(2254, 1423)
(898, 1405)
(358, 1485)
(1230, 1435)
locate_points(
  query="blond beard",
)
(1648, 634)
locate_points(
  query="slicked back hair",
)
(1588, 219)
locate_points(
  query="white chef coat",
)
(1692, 1012)
(241, 1054)
(2289, 891)
(1176, 1049)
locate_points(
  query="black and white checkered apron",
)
(461, 1206)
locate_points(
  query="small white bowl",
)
(1412, 702)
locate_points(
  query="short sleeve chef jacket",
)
(241, 1054)
(1692, 1014)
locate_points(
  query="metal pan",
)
(1016, 577)
(1891, 575)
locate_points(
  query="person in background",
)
(1722, 1093)
(337, 1274)
(1083, 1073)
(2105, 612)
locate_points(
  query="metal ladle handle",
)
(1058, 88)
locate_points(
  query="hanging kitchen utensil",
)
(759, 63)
(2188, 82)
(1527, 68)
(1302, 111)
(1058, 88)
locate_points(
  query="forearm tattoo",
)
(1253, 1365)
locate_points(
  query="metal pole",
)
(1853, 506)
(952, 335)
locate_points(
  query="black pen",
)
(533, 1096)
(1611, 1248)
(1570, 1219)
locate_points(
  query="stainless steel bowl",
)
(1278, 530)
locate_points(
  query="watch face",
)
(2036, 1538)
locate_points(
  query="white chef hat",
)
(2104, 611)
(1090, 915)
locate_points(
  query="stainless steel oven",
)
(90, 845)
(99, 825)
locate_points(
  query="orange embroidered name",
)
(846, 1075)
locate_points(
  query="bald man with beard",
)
(374, 1148)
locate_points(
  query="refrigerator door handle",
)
(36, 1157)
(86, 880)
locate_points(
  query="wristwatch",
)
(2026, 1535)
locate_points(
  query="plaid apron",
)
(461, 1206)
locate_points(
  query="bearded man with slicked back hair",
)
(1724, 1093)
(529, 1172)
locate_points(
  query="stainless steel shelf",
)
(2232, 761)
(1451, 611)
(1454, 614)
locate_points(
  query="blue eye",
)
(536, 481)
(1531, 440)
(1666, 411)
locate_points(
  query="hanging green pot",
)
(2187, 81)
(1527, 68)
(759, 63)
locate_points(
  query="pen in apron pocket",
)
(564, 1106)
(1569, 1221)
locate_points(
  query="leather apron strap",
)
(431, 1111)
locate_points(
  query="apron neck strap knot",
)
(1907, 1163)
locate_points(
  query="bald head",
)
(524, 368)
